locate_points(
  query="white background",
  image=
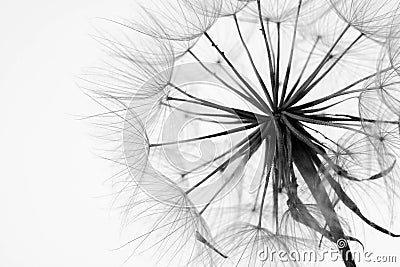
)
(53, 208)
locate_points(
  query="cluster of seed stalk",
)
(284, 125)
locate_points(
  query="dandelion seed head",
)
(245, 125)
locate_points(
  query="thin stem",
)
(201, 239)
(267, 45)
(317, 70)
(249, 87)
(225, 116)
(278, 58)
(254, 101)
(272, 48)
(244, 140)
(248, 96)
(236, 155)
(239, 112)
(359, 119)
(263, 197)
(303, 70)
(260, 80)
(222, 133)
(256, 198)
(324, 136)
(305, 119)
(275, 197)
(207, 104)
(235, 122)
(310, 87)
(341, 92)
(253, 146)
(321, 108)
(220, 167)
(289, 153)
(286, 81)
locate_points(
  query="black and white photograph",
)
(200, 133)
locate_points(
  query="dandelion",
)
(245, 125)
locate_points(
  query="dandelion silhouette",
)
(241, 125)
